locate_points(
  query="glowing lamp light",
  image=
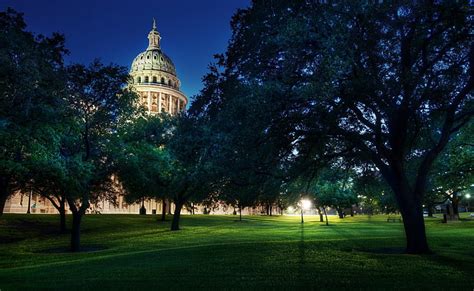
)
(468, 196)
(306, 204)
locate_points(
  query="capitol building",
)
(154, 79)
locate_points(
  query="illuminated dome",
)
(153, 59)
(155, 80)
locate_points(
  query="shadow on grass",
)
(65, 250)
(382, 251)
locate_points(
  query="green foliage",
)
(304, 84)
(31, 101)
(142, 163)
(98, 104)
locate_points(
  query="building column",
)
(149, 101)
(159, 102)
(169, 104)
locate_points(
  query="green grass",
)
(218, 252)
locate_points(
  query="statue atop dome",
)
(154, 37)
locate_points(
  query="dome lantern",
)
(154, 37)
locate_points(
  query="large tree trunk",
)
(163, 210)
(28, 211)
(176, 215)
(430, 211)
(340, 212)
(4, 193)
(326, 215)
(76, 231)
(455, 203)
(62, 216)
(77, 214)
(169, 207)
(240, 213)
(321, 217)
(413, 222)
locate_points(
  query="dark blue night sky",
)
(116, 31)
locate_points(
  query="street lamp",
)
(305, 205)
(468, 196)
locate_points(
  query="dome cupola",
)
(154, 78)
(153, 58)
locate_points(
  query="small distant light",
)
(468, 196)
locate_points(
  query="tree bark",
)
(321, 218)
(28, 211)
(455, 203)
(326, 214)
(176, 216)
(339, 212)
(240, 213)
(163, 210)
(169, 207)
(77, 214)
(62, 216)
(430, 211)
(413, 222)
(5, 192)
(409, 202)
(76, 231)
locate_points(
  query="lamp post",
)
(468, 197)
(305, 205)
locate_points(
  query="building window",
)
(139, 80)
(154, 79)
(146, 79)
(162, 80)
(169, 83)
(154, 107)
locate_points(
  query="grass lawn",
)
(218, 252)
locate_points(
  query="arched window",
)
(154, 107)
(169, 83)
(139, 80)
(162, 80)
(154, 79)
(146, 79)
